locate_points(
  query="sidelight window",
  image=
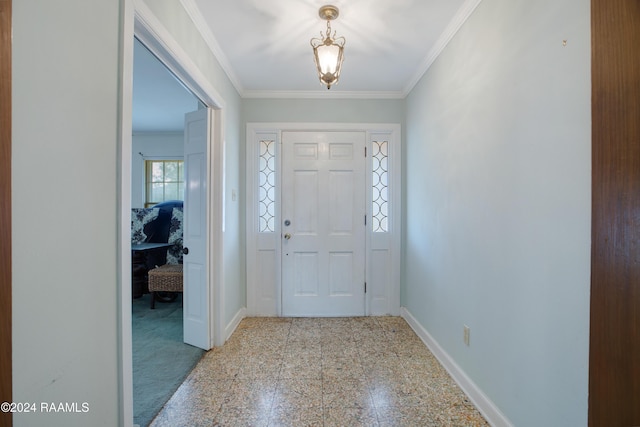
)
(380, 186)
(267, 186)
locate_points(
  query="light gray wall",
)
(65, 130)
(176, 20)
(498, 150)
(324, 110)
(150, 146)
(497, 178)
(66, 109)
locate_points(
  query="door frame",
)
(614, 349)
(264, 255)
(139, 21)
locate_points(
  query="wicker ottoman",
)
(166, 278)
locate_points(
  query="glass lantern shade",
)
(328, 57)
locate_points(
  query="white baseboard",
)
(486, 407)
(231, 327)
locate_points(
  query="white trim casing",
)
(125, 144)
(486, 407)
(264, 291)
(154, 35)
(321, 94)
(217, 229)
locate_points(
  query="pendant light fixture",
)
(328, 51)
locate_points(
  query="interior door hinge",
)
(365, 287)
(365, 151)
(365, 220)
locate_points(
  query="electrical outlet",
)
(466, 334)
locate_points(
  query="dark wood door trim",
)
(614, 354)
(5, 208)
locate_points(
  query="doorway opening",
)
(160, 103)
(208, 271)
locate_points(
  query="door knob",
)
(185, 251)
(287, 236)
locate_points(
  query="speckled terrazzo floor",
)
(363, 371)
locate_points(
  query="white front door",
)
(196, 321)
(323, 229)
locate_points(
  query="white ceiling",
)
(264, 46)
(159, 99)
(267, 46)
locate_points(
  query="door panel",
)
(306, 274)
(323, 197)
(307, 205)
(341, 209)
(341, 273)
(196, 321)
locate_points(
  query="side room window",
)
(164, 180)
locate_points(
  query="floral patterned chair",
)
(142, 221)
(174, 254)
(159, 224)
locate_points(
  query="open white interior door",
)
(196, 229)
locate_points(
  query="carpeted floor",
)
(161, 361)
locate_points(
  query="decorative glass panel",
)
(267, 186)
(380, 168)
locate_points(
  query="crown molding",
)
(203, 28)
(152, 33)
(320, 94)
(454, 26)
(450, 31)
